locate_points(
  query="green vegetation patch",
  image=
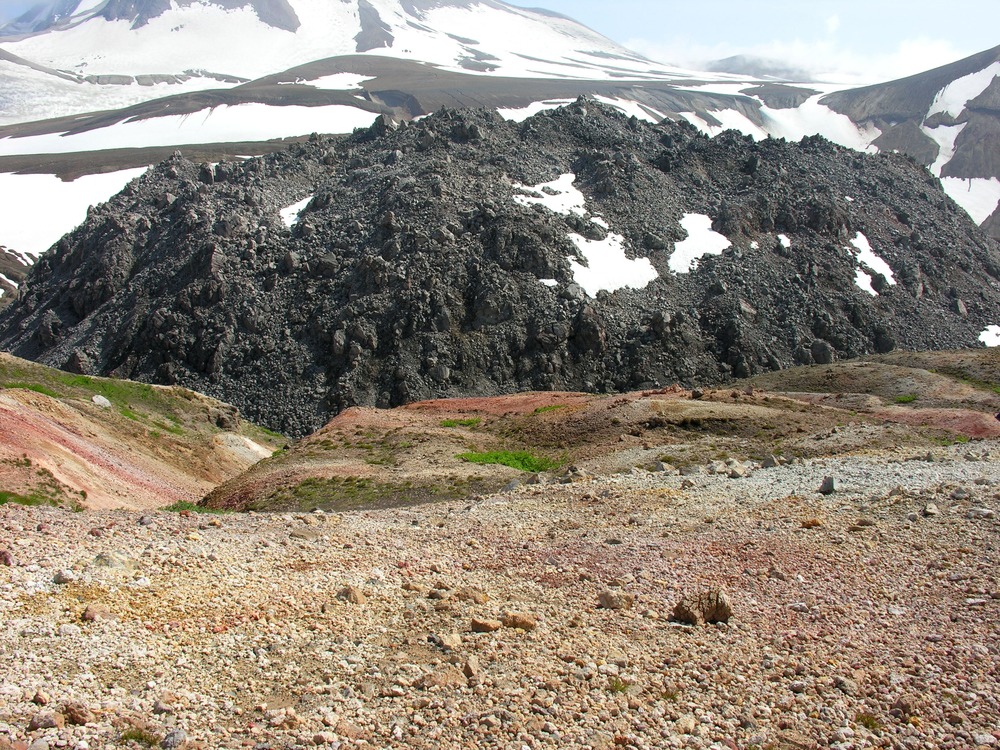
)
(36, 387)
(470, 422)
(907, 398)
(520, 460)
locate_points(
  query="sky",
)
(846, 41)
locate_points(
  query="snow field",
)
(33, 219)
(867, 257)
(241, 122)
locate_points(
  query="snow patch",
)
(869, 259)
(812, 118)
(633, 109)
(755, 245)
(38, 209)
(290, 214)
(785, 242)
(549, 282)
(849, 199)
(9, 281)
(944, 136)
(991, 336)
(978, 196)
(338, 81)
(701, 241)
(559, 196)
(607, 267)
(521, 114)
(864, 281)
(954, 97)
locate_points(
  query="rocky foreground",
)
(538, 617)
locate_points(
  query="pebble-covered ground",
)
(866, 617)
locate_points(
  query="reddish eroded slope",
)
(150, 448)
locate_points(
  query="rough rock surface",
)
(413, 273)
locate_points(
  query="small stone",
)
(471, 667)
(324, 738)
(145, 520)
(687, 724)
(78, 714)
(829, 486)
(64, 576)
(846, 685)
(960, 493)
(305, 533)
(449, 677)
(777, 574)
(977, 514)
(711, 606)
(739, 471)
(984, 740)
(469, 594)
(6, 558)
(930, 510)
(485, 626)
(612, 599)
(40, 744)
(520, 621)
(451, 641)
(352, 594)
(69, 630)
(771, 462)
(101, 401)
(175, 738)
(797, 687)
(46, 720)
(41, 698)
(95, 612)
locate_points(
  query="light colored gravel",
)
(863, 618)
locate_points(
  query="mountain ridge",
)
(420, 261)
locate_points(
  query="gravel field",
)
(538, 617)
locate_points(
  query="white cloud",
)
(827, 60)
(833, 24)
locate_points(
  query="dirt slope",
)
(95, 443)
(372, 457)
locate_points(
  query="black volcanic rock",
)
(412, 273)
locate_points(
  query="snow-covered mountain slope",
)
(253, 38)
(91, 85)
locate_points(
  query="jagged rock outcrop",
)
(413, 272)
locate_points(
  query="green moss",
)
(470, 422)
(868, 721)
(908, 398)
(36, 387)
(520, 460)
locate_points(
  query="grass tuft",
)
(907, 398)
